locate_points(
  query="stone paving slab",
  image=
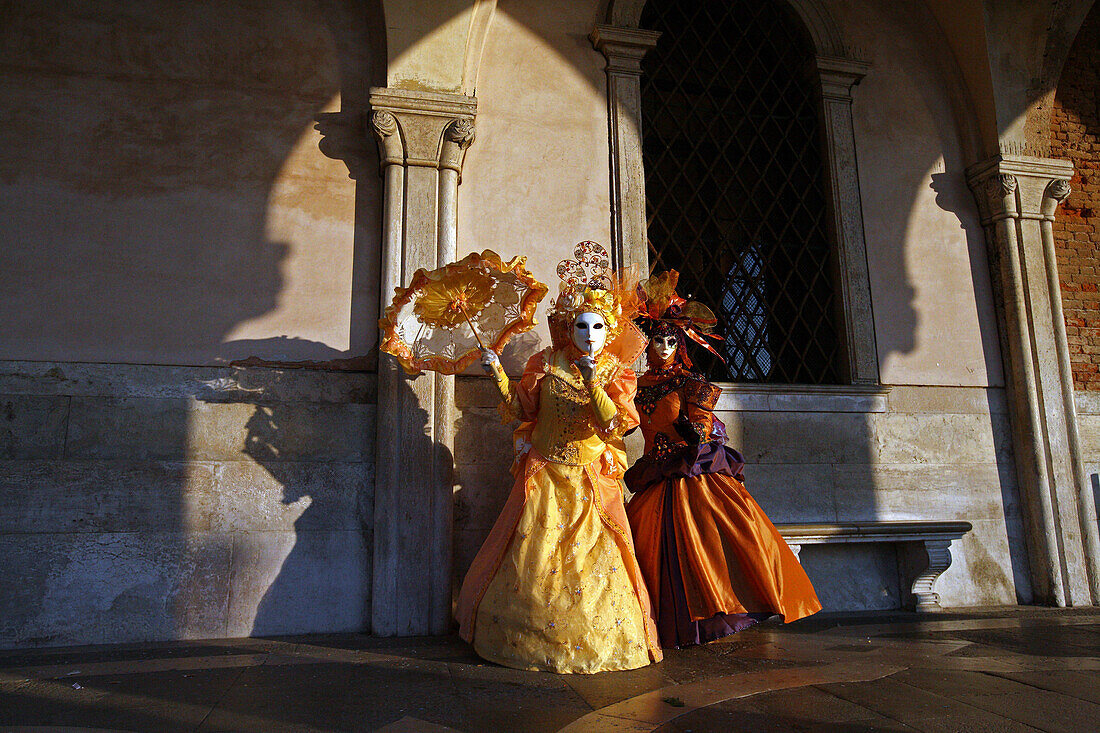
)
(1006, 669)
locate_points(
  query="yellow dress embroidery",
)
(561, 599)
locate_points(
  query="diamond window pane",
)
(735, 195)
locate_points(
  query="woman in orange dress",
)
(712, 560)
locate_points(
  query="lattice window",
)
(735, 196)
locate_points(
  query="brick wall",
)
(1075, 136)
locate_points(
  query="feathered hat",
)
(664, 312)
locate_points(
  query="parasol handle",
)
(467, 317)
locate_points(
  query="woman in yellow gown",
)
(556, 586)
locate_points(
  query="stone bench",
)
(924, 567)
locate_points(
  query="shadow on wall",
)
(157, 185)
(310, 561)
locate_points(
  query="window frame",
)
(838, 71)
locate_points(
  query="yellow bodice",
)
(567, 431)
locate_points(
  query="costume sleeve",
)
(614, 403)
(522, 401)
(602, 404)
(699, 399)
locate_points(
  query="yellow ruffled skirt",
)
(562, 599)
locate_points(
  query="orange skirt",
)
(730, 558)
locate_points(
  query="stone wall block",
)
(981, 571)
(481, 438)
(1088, 403)
(298, 582)
(33, 426)
(793, 493)
(305, 432)
(789, 437)
(476, 392)
(907, 491)
(104, 496)
(113, 587)
(1089, 426)
(142, 428)
(831, 569)
(943, 438)
(467, 543)
(285, 496)
(184, 429)
(480, 492)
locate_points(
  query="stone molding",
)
(838, 76)
(423, 138)
(215, 384)
(1017, 198)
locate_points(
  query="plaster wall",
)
(163, 199)
(933, 307)
(426, 44)
(536, 180)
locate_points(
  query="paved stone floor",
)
(1018, 669)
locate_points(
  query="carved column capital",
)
(1056, 193)
(383, 123)
(422, 129)
(624, 48)
(838, 76)
(384, 126)
(1059, 190)
(1017, 186)
(457, 137)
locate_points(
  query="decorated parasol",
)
(442, 319)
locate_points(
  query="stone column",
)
(423, 138)
(625, 48)
(838, 76)
(1017, 197)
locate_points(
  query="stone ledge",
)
(821, 533)
(257, 385)
(800, 398)
(1088, 403)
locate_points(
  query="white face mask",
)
(589, 333)
(664, 346)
